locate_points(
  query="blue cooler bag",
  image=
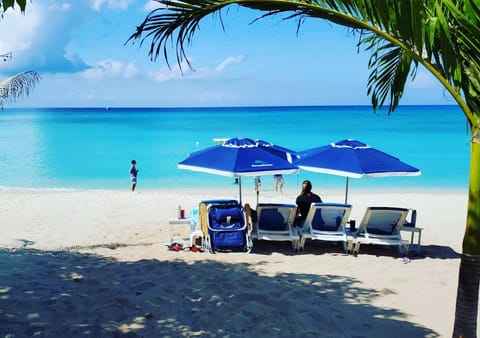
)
(227, 228)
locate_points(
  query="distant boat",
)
(107, 108)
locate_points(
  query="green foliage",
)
(20, 84)
(6, 4)
(465, 23)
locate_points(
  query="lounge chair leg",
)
(295, 244)
(357, 248)
(349, 245)
(302, 242)
(249, 245)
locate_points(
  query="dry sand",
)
(96, 263)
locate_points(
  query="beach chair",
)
(224, 226)
(382, 225)
(274, 222)
(326, 222)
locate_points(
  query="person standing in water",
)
(257, 182)
(278, 180)
(133, 174)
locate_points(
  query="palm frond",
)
(17, 86)
(177, 21)
(6, 4)
(390, 67)
(461, 62)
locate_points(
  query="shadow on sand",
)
(322, 247)
(68, 294)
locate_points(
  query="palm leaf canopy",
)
(400, 35)
(18, 86)
(6, 4)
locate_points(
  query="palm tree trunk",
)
(467, 297)
(469, 274)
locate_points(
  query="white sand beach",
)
(95, 263)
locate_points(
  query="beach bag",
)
(227, 227)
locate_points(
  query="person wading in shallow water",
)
(278, 180)
(133, 174)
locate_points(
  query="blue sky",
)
(79, 49)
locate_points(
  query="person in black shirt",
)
(304, 200)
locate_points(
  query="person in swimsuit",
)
(278, 179)
(133, 174)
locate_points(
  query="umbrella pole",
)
(346, 191)
(240, 189)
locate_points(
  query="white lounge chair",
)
(326, 222)
(274, 223)
(382, 225)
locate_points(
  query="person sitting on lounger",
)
(304, 200)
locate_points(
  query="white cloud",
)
(165, 74)
(130, 71)
(228, 61)
(152, 5)
(21, 28)
(110, 69)
(111, 4)
(38, 40)
(61, 7)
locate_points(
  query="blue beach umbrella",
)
(237, 157)
(351, 158)
(288, 154)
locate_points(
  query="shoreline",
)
(234, 189)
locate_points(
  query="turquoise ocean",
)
(85, 148)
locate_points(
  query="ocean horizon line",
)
(107, 107)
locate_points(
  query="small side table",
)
(413, 231)
(180, 229)
(175, 220)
